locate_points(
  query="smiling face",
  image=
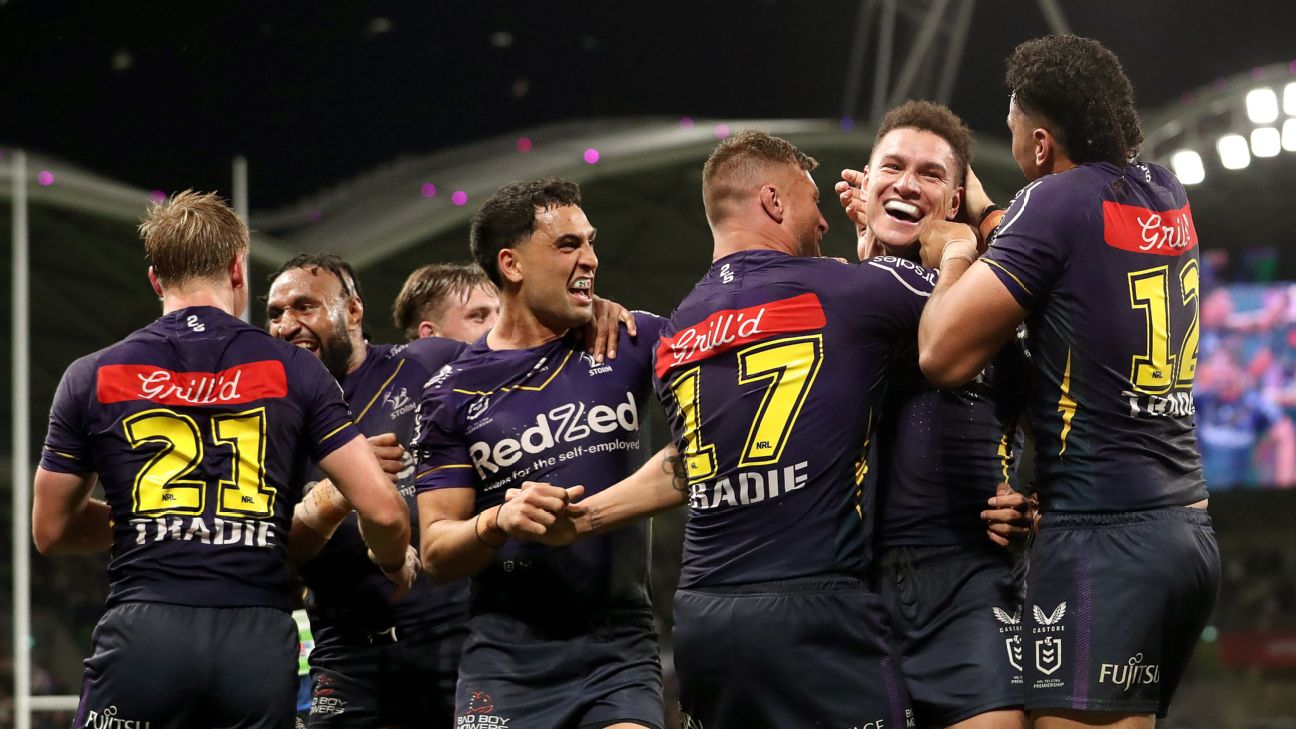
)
(912, 177)
(554, 268)
(309, 309)
(466, 316)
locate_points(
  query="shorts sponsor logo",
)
(1133, 672)
(480, 713)
(1010, 627)
(1049, 649)
(324, 699)
(108, 719)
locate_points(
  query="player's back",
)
(1105, 258)
(200, 428)
(772, 372)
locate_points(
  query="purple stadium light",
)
(847, 124)
(157, 196)
(459, 197)
(45, 178)
(524, 144)
(686, 122)
(722, 131)
(591, 156)
(428, 190)
(1257, 73)
(1292, 67)
(314, 215)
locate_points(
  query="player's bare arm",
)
(65, 520)
(384, 518)
(970, 314)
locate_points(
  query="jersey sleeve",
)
(67, 441)
(891, 294)
(648, 327)
(329, 425)
(440, 451)
(433, 353)
(1028, 249)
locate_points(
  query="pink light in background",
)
(721, 131)
(591, 156)
(45, 178)
(524, 144)
(686, 122)
(157, 196)
(314, 215)
(459, 197)
(428, 190)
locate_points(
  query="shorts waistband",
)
(898, 558)
(1176, 514)
(795, 585)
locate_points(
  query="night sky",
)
(162, 95)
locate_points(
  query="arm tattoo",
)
(675, 466)
(596, 518)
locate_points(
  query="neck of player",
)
(519, 327)
(735, 240)
(183, 297)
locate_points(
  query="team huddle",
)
(469, 510)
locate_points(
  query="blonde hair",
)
(192, 235)
(732, 171)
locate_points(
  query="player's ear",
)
(238, 272)
(426, 329)
(956, 202)
(157, 283)
(772, 203)
(510, 265)
(1045, 148)
(355, 311)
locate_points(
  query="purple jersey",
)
(496, 418)
(348, 592)
(943, 451)
(1105, 260)
(772, 372)
(201, 427)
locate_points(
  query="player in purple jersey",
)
(379, 660)
(953, 597)
(453, 300)
(773, 372)
(1098, 254)
(198, 426)
(560, 637)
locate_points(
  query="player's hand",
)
(1011, 516)
(603, 331)
(850, 193)
(939, 235)
(975, 200)
(403, 576)
(390, 454)
(540, 512)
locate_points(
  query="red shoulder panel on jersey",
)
(1139, 230)
(730, 328)
(244, 383)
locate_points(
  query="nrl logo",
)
(1012, 644)
(478, 407)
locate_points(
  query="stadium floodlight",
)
(1188, 166)
(1262, 105)
(1233, 151)
(1289, 135)
(1265, 142)
(1289, 99)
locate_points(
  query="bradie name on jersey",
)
(748, 487)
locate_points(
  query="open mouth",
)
(902, 211)
(582, 289)
(310, 345)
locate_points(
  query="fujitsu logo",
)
(566, 423)
(108, 719)
(200, 388)
(1131, 673)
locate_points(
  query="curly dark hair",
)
(330, 262)
(509, 215)
(1078, 84)
(937, 119)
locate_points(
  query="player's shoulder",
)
(888, 275)
(430, 352)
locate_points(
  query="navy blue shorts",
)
(956, 613)
(401, 677)
(1115, 604)
(813, 651)
(174, 666)
(576, 676)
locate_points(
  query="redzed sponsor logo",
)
(730, 328)
(244, 383)
(1136, 229)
